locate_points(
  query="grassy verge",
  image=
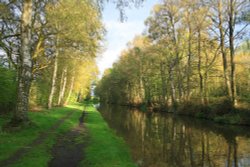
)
(40, 155)
(104, 149)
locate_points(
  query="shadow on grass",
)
(13, 145)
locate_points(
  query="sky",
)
(120, 33)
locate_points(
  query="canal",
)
(164, 140)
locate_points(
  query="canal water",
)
(164, 140)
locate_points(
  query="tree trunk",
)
(141, 82)
(189, 62)
(25, 66)
(147, 92)
(71, 89)
(173, 95)
(232, 51)
(53, 84)
(63, 88)
(79, 97)
(180, 84)
(164, 84)
(206, 98)
(142, 90)
(177, 58)
(199, 68)
(223, 52)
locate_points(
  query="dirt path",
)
(69, 149)
(39, 140)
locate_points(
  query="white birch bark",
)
(25, 66)
(53, 84)
(70, 90)
(62, 90)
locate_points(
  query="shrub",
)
(8, 89)
(222, 107)
(228, 119)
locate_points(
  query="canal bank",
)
(221, 111)
(104, 148)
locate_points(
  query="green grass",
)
(39, 155)
(104, 149)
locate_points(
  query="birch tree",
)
(25, 66)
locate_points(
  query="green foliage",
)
(75, 30)
(201, 115)
(8, 89)
(228, 119)
(178, 63)
(39, 91)
(75, 43)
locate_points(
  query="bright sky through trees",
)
(118, 33)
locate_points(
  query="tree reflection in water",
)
(161, 140)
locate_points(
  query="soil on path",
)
(69, 149)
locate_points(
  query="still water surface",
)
(162, 140)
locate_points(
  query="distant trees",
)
(187, 55)
(74, 32)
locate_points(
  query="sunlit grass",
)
(105, 149)
(40, 155)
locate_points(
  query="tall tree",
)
(25, 65)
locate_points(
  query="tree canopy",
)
(190, 53)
